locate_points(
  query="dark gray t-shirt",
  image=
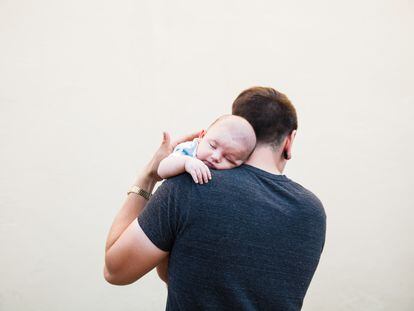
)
(247, 240)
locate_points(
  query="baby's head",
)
(228, 142)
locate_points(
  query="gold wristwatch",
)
(137, 190)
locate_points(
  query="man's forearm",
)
(131, 209)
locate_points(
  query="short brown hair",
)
(270, 112)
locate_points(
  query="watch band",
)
(137, 190)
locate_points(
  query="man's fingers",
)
(184, 138)
(165, 138)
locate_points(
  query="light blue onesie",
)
(188, 148)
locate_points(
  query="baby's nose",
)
(216, 156)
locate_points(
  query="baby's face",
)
(219, 150)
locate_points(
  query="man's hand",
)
(129, 253)
(198, 170)
(163, 151)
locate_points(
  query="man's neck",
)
(264, 158)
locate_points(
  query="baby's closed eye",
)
(231, 161)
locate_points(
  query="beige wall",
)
(86, 88)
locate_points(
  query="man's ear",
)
(287, 150)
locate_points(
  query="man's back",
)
(247, 240)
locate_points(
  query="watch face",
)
(144, 193)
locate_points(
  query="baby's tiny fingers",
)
(205, 174)
(209, 173)
(194, 175)
(199, 175)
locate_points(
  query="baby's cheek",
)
(226, 166)
(199, 154)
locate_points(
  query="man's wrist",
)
(146, 181)
(139, 191)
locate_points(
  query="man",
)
(250, 239)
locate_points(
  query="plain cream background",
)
(87, 87)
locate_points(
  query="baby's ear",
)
(202, 133)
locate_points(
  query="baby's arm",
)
(172, 165)
(176, 164)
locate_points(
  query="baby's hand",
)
(198, 170)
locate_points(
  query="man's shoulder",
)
(181, 180)
(234, 180)
(183, 185)
(310, 199)
(185, 179)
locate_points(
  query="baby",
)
(226, 144)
